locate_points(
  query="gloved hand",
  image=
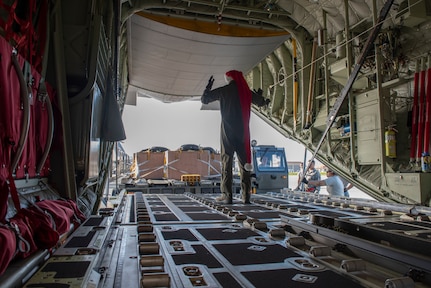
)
(258, 91)
(304, 180)
(203, 99)
(210, 83)
(267, 101)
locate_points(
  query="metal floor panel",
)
(208, 245)
(66, 271)
(90, 236)
(279, 240)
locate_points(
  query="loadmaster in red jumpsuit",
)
(235, 105)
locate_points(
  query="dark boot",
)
(246, 198)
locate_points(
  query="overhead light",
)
(269, 6)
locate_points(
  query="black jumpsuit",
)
(233, 134)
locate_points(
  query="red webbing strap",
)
(13, 192)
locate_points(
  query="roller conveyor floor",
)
(279, 240)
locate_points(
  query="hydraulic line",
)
(311, 86)
(421, 115)
(295, 85)
(427, 113)
(414, 118)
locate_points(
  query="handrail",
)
(25, 125)
(47, 148)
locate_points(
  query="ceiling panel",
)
(169, 63)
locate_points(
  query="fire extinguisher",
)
(390, 142)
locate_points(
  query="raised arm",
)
(258, 99)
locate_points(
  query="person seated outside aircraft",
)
(333, 183)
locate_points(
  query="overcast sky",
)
(153, 123)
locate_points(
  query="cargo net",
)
(24, 24)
